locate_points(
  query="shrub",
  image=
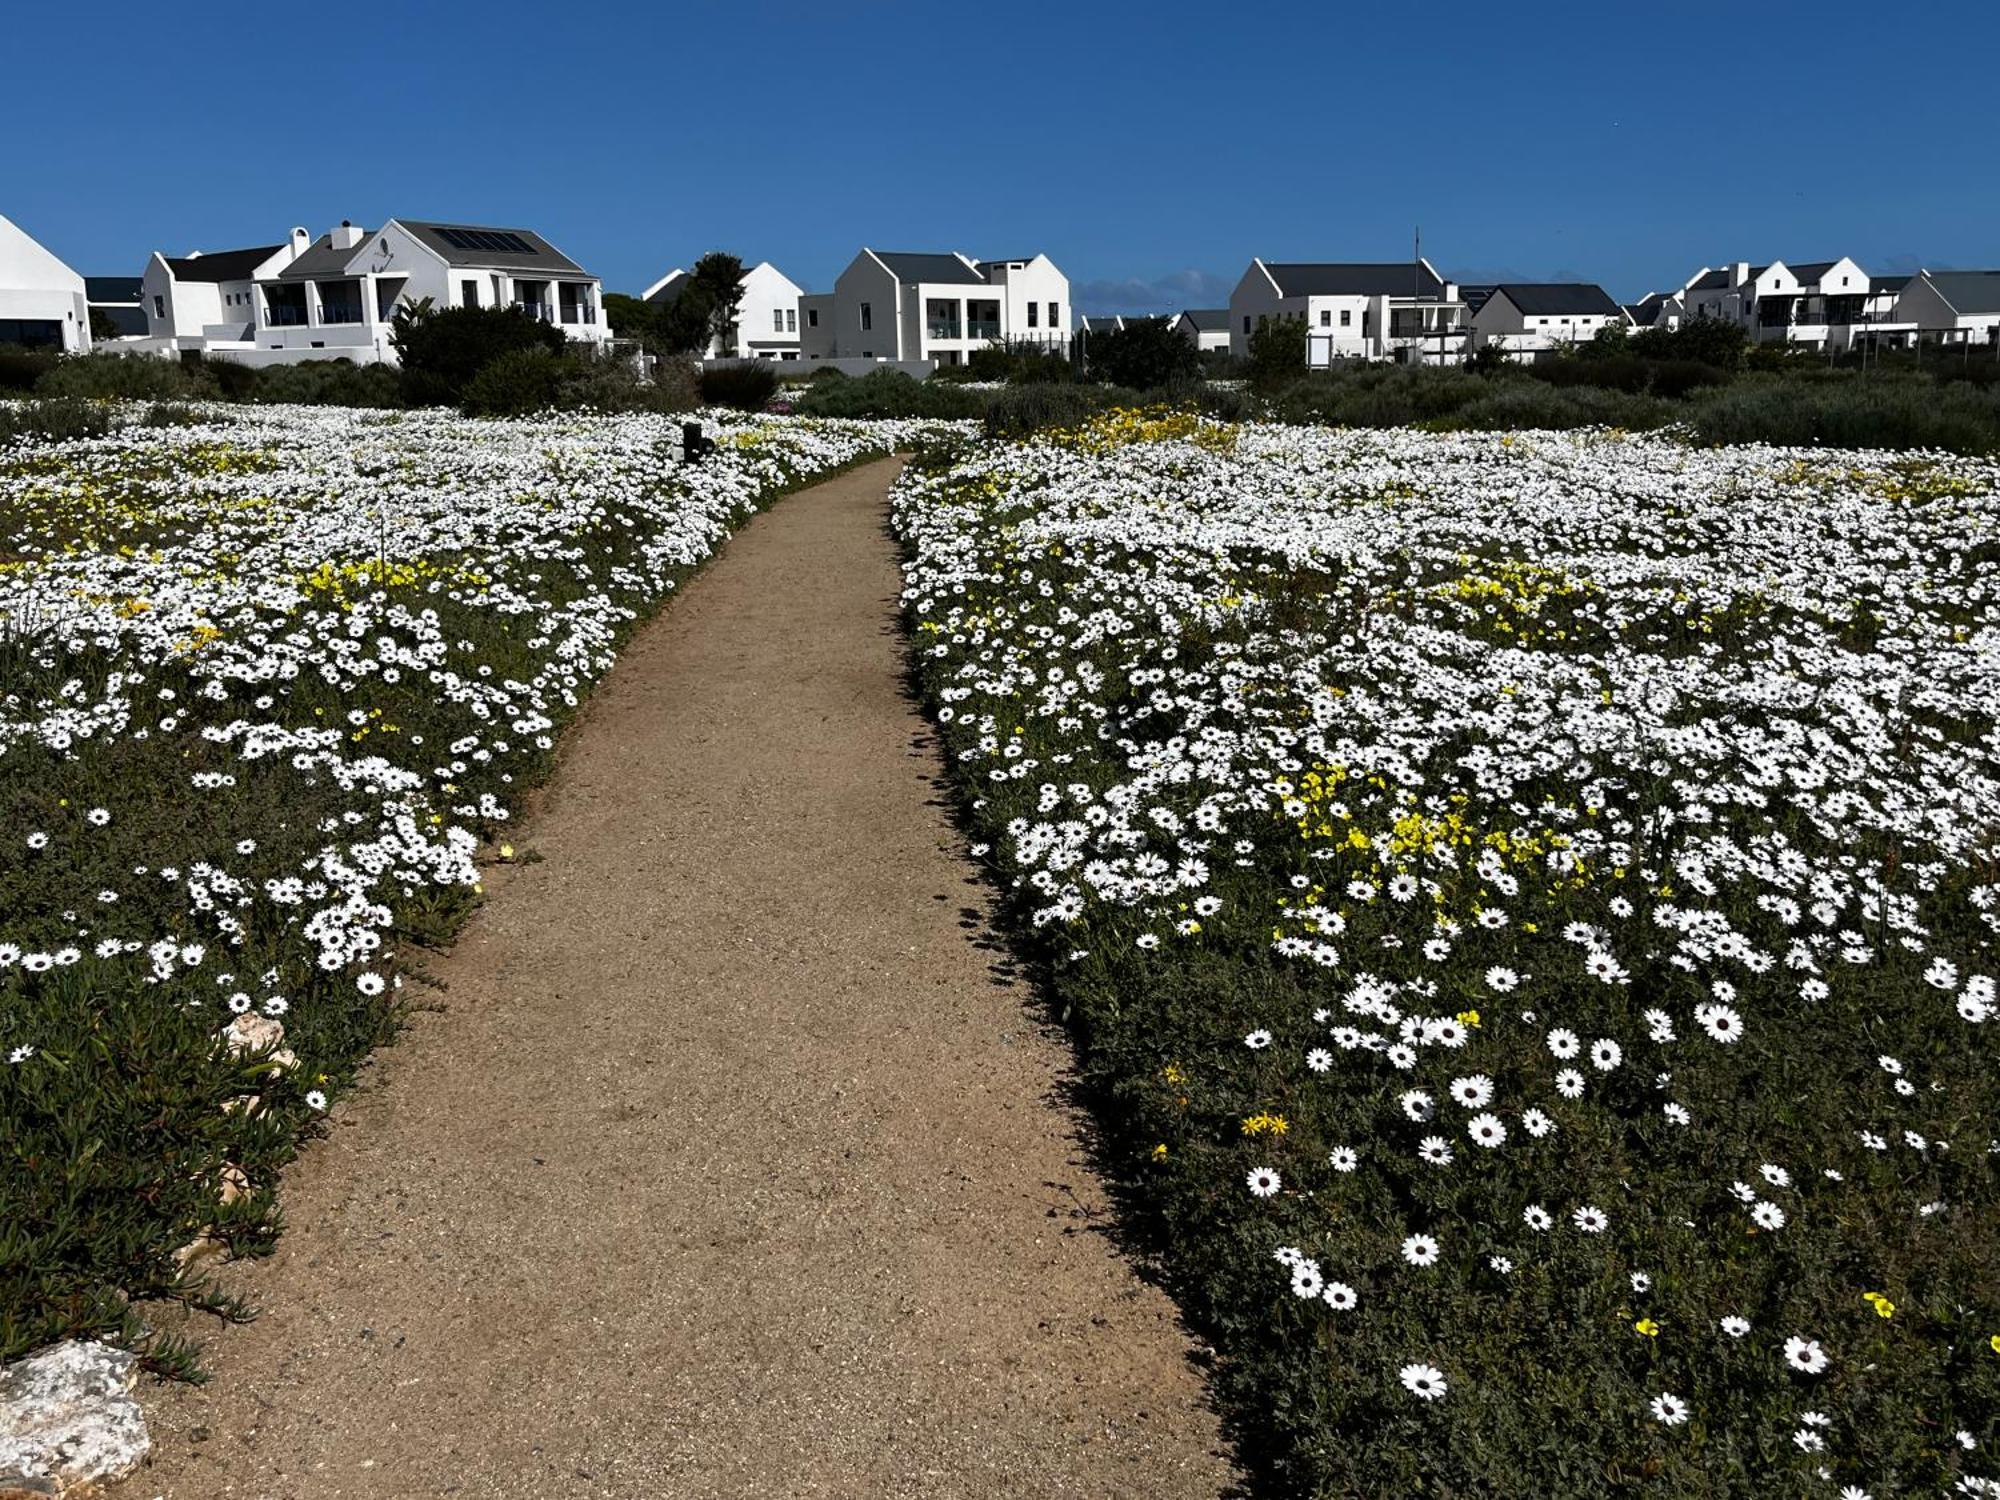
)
(133, 377)
(171, 414)
(21, 367)
(1145, 354)
(515, 384)
(1022, 410)
(235, 381)
(1277, 352)
(614, 385)
(443, 351)
(745, 387)
(63, 417)
(327, 382)
(1852, 412)
(891, 393)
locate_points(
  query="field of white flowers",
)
(1527, 904)
(269, 683)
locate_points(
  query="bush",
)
(171, 414)
(1277, 352)
(132, 377)
(1850, 411)
(891, 393)
(21, 367)
(62, 418)
(515, 384)
(324, 382)
(744, 387)
(442, 352)
(1146, 354)
(613, 385)
(1022, 410)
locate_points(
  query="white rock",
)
(68, 1414)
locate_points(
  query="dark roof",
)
(322, 260)
(486, 245)
(1545, 299)
(1474, 297)
(1710, 280)
(1647, 312)
(920, 266)
(1810, 270)
(1005, 260)
(1398, 278)
(1887, 283)
(103, 289)
(222, 265)
(676, 283)
(1968, 291)
(1097, 323)
(127, 320)
(1208, 319)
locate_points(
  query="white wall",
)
(767, 320)
(36, 287)
(1034, 299)
(1255, 296)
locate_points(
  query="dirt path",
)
(729, 1169)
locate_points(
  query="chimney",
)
(346, 237)
(300, 241)
(1739, 273)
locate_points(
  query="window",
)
(791, 320)
(1055, 315)
(812, 317)
(1246, 322)
(468, 293)
(1033, 313)
(1326, 317)
(1347, 317)
(777, 320)
(159, 306)
(867, 317)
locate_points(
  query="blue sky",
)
(1150, 149)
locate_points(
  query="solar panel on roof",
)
(485, 239)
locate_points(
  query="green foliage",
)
(1017, 363)
(54, 419)
(21, 367)
(606, 384)
(322, 382)
(890, 393)
(1144, 354)
(1277, 352)
(1708, 341)
(131, 377)
(1021, 410)
(442, 352)
(1848, 410)
(745, 387)
(101, 326)
(515, 384)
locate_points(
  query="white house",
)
(1819, 303)
(1534, 317)
(767, 319)
(905, 305)
(207, 300)
(338, 297)
(1663, 310)
(1354, 310)
(1952, 307)
(1207, 328)
(42, 301)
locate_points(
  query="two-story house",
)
(1537, 317)
(909, 305)
(1952, 307)
(206, 300)
(338, 297)
(42, 301)
(1403, 311)
(767, 318)
(1818, 303)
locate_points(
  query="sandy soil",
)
(730, 1166)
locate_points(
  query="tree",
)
(101, 326)
(1277, 351)
(1144, 354)
(702, 315)
(441, 352)
(634, 318)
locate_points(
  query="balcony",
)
(982, 329)
(539, 311)
(285, 317)
(334, 313)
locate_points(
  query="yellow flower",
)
(1468, 1018)
(1995, 1342)
(1647, 1328)
(1884, 1308)
(1160, 1153)
(506, 851)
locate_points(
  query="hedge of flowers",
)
(270, 687)
(1527, 904)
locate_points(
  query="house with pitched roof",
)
(1952, 307)
(42, 301)
(1400, 310)
(206, 300)
(767, 319)
(1537, 317)
(1663, 310)
(337, 298)
(920, 305)
(1819, 303)
(1207, 328)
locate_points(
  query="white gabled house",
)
(1952, 307)
(1536, 317)
(42, 301)
(337, 298)
(1403, 310)
(1662, 310)
(1818, 303)
(905, 305)
(767, 319)
(206, 301)
(1207, 328)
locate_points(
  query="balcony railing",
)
(941, 330)
(333, 313)
(982, 330)
(285, 317)
(536, 310)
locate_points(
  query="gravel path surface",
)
(730, 1166)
